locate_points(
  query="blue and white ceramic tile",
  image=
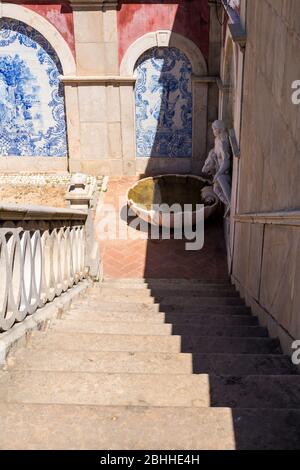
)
(163, 97)
(32, 114)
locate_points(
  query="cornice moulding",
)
(90, 79)
(93, 4)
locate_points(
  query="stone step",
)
(159, 293)
(217, 344)
(194, 302)
(211, 319)
(103, 362)
(242, 364)
(280, 391)
(174, 318)
(84, 388)
(77, 313)
(34, 427)
(104, 306)
(225, 331)
(85, 325)
(157, 287)
(71, 340)
(166, 282)
(167, 300)
(154, 363)
(203, 308)
(113, 328)
(101, 306)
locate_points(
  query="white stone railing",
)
(42, 255)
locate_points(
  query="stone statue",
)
(218, 164)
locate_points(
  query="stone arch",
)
(32, 103)
(46, 29)
(164, 104)
(163, 38)
(168, 39)
(68, 67)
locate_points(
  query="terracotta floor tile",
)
(140, 258)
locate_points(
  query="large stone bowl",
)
(147, 194)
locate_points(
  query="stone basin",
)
(146, 194)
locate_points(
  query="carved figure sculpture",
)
(218, 164)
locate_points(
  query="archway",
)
(32, 107)
(68, 67)
(46, 29)
(163, 104)
(193, 77)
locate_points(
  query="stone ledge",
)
(206, 79)
(18, 335)
(273, 218)
(16, 164)
(90, 79)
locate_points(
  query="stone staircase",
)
(157, 364)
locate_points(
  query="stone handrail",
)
(42, 255)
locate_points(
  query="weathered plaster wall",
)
(57, 13)
(267, 255)
(190, 18)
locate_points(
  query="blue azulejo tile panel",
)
(163, 100)
(32, 113)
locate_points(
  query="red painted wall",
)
(187, 17)
(59, 15)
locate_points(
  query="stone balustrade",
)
(42, 255)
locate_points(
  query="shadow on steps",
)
(247, 371)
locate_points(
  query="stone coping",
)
(125, 80)
(43, 178)
(275, 218)
(35, 212)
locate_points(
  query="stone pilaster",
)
(96, 36)
(97, 86)
(215, 47)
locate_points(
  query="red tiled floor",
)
(136, 258)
